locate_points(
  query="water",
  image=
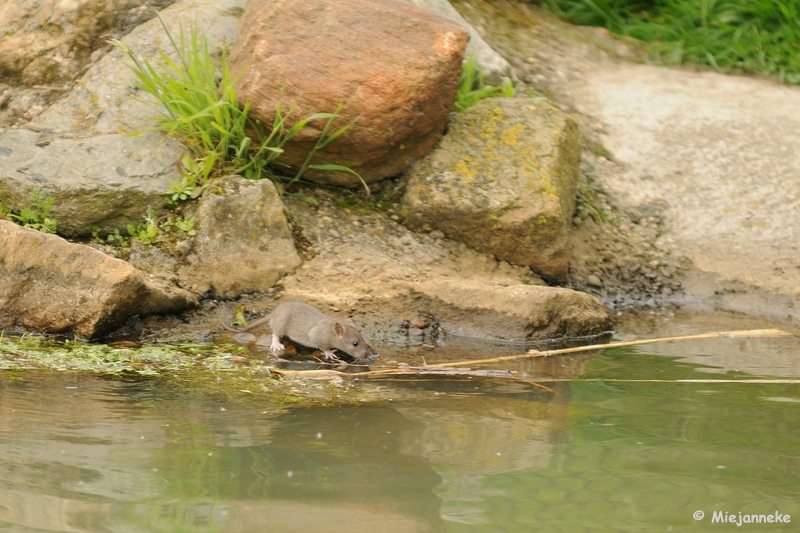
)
(81, 454)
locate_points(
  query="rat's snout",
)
(365, 352)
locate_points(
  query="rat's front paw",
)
(330, 355)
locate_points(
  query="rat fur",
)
(307, 325)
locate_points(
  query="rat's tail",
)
(254, 325)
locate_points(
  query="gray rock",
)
(243, 241)
(48, 285)
(493, 64)
(99, 175)
(503, 181)
(48, 41)
(594, 281)
(106, 181)
(517, 312)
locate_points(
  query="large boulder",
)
(48, 285)
(502, 181)
(243, 241)
(79, 150)
(395, 66)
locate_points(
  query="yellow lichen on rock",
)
(512, 165)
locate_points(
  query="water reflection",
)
(89, 455)
(466, 454)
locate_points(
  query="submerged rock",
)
(243, 241)
(392, 64)
(48, 285)
(503, 181)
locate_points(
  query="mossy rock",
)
(503, 181)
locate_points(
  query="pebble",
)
(436, 234)
(594, 281)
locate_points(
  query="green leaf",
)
(338, 168)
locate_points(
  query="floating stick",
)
(441, 368)
(547, 353)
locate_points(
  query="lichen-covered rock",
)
(503, 181)
(80, 151)
(48, 285)
(243, 241)
(392, 64)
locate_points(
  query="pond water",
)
(84, 454)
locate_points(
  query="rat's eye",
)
(355, 343)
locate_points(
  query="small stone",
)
(333, 233)
(395, 218)
(436, 234)
(417, 322)
(594, 281)
(415, 333)
(576, 221)
(183, 247)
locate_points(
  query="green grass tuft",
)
(36, 215)
(201, 106)
(761, 36)
(472, 89)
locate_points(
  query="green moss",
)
(587, 201)
(213, 369)
(391, 192)
(596, 148)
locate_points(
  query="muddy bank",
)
(696, 176)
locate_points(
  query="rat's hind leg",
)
(276, 347)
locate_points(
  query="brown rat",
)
(310, 327)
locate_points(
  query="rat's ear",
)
(338, 329)
(352, 323)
